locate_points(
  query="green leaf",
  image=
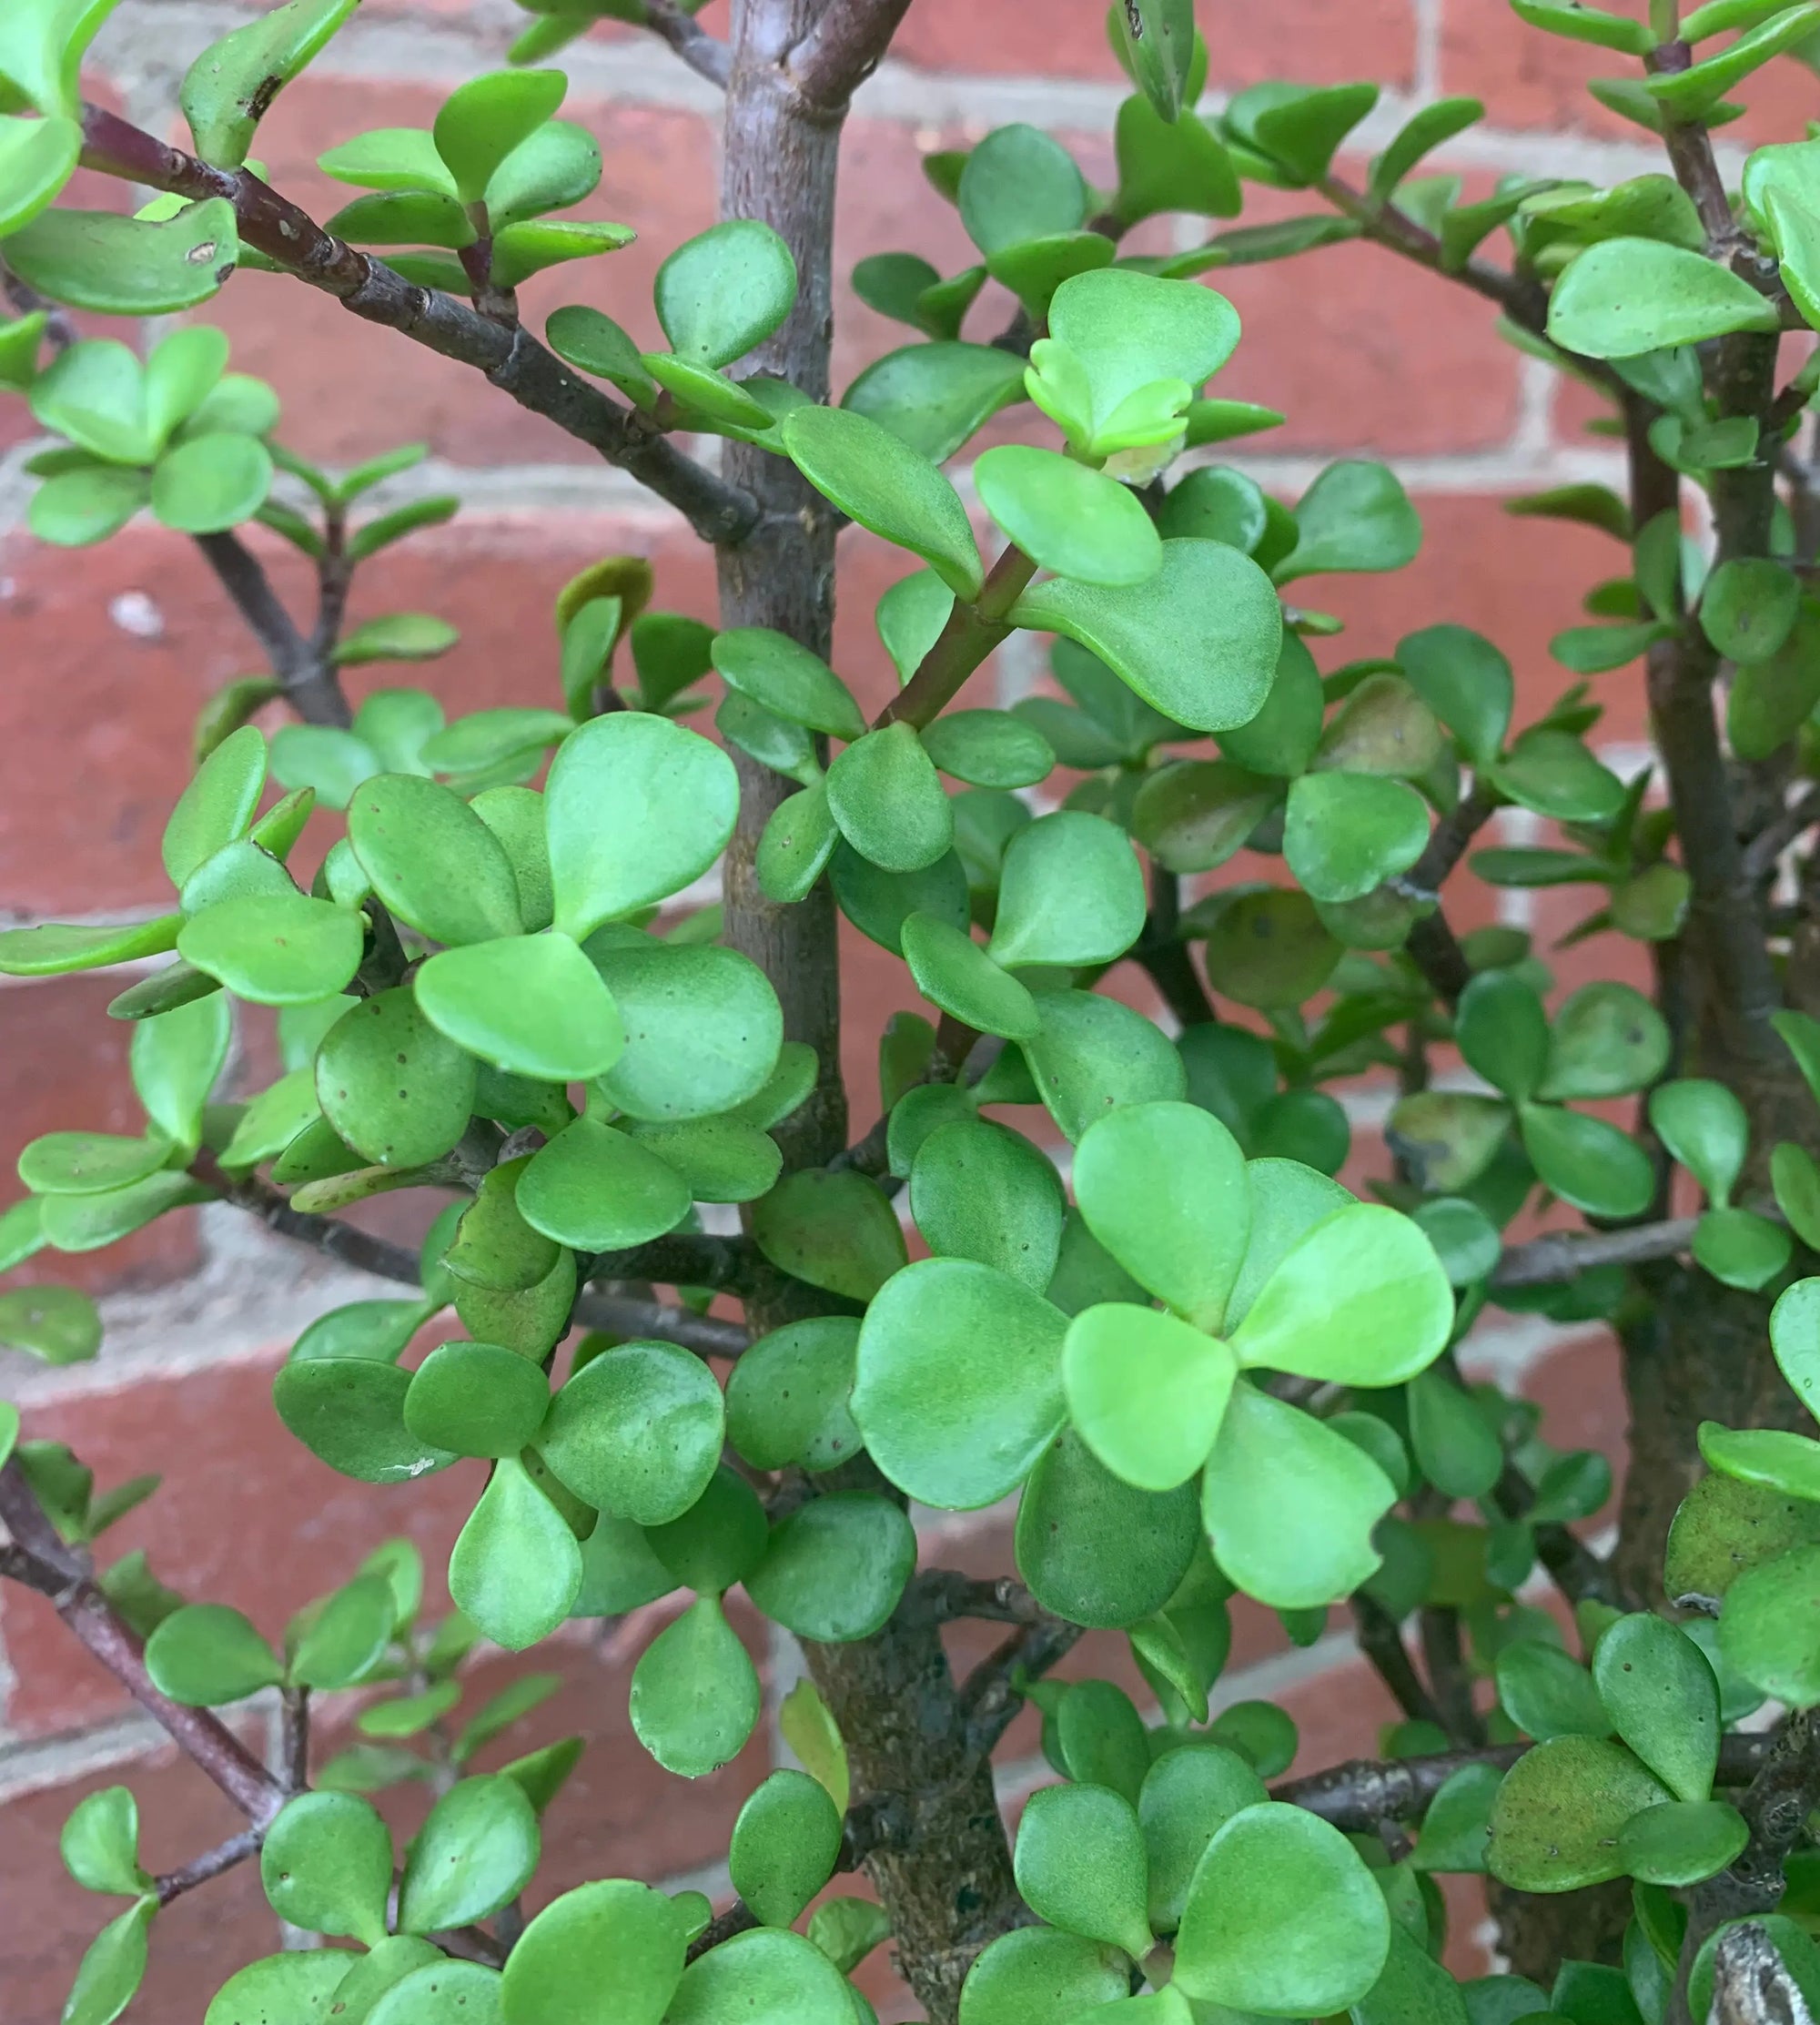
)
(943, 1425)
(348, 1411)
(786, 1398)
(1681, 1843)
(785, 1845)
(605, 1951)
(347, 1636)
(1688, 94)
(1502, 1031)
(1281, 1912)
(832, 1228)
(516, 1568)
(484, 120)
(1704, 1127)
(1606, 1040)
(1035, 1974)
(212, 483)
(1466, 682)
(636, 808)
(474, 1854)
(1587, 1162)
(880, 481)
(59, 1325)
(1020, 184)
(1622, 297)
(594, 1188)
(1456, 1445)
(123, 267)
(885, 795)
(1290, 1505)
(1765, 1456)
(111, 1968)
(229, 89)
(1071, 892)
(327, 1866)
(1426, 131)
(400, 636)
(1080, 1865)
(1584, 24)
(100, 1843)
(395, 1089)
(282, 1989)
(57, 947)
(1344, 834)
(275, 949)
(1093, 1548)
(1765, 1630)
(1199, 641)
(695, 1694)
(1069, 517)
(637, 1431)
(1741, 1247)
(724, 291)
(443, 1994)
(432, 860)
(1163, 1187)
(76, 508)
(1546, 1694)
(1458, 1821)
(1355, 517)
(530, 1005)
(476, 1398)
(1663, 1701)
(980, 1191)
(988, 748)
(835, 1570)
(1092, 1054)
(37, 158)
(206, 1654)
(1557, 1818)
(1553, 772)
(1156, 42)
(935, 397)
(216, 806)
(955, 974)
(787, 680)
(769, 1977)
(1361, 1299)
(88, 1163)
(1748, 608)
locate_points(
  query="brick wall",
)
(108, 652)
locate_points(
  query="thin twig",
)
(294, 1743)
(1382, 1643)
(211, 1863)
(991, 1695)
(707, 56)
(946, 1595)
(61, 1572)
(841, 51)
(510, 358)
(1566, 1254)
(309, 682)
(1770, 842)
(738, 1918)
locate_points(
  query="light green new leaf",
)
(1080, 1864)
(100, 1843)
(327, 1866)
(432, 860)
(1290, 1505)
(530, 1005)
(1146, 1391)
(206, 1654)
(483, 121)
(695, 1693)
(888, 801)
(1356, 516)
(1069, 517)
(605, 1952)
(724, 291)
(474, 1854)
(112, 1968)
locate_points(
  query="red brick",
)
(62, 1067)
(1580, 1389)
(1299, 39)
(1530, 79)
(247, 1516)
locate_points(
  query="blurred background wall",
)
(108, 652)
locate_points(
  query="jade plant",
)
(563, 972)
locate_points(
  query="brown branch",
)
(294, 1737)
(309, 678)
(1363, 1793)
(211, 1863)
(1382, 1643)
(841, 51)
(1566, 1254)
(45, 1562)
(972, 631)
(1770, 842)
(510, 358)
(707, 56)
(946, 1595)
(738, 1918)
(991, 1696)
(1163, 957)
